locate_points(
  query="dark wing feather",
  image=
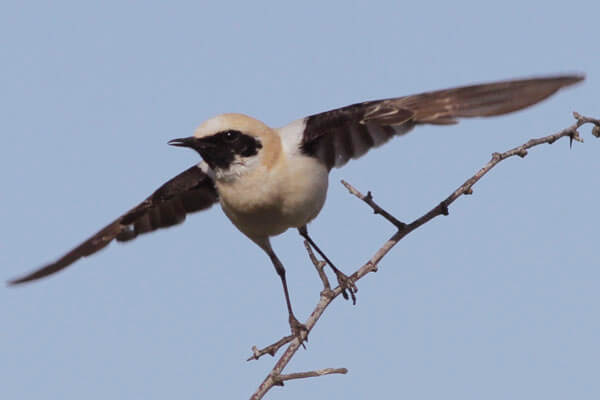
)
(192, 190)
(338, 135)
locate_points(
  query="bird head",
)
(233, 144)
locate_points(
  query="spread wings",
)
(334, 137)
(338, 135)
(192, 190)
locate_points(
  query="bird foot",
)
(299, 330)
(347, 285)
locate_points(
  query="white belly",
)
(266, 203)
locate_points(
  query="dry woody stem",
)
(275, 376)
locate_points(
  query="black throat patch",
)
(219, 150)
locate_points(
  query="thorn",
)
(523, 153)
(444, 209)
(373, 267)
(574, 136)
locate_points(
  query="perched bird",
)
(269, 180)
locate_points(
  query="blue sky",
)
(498, 300)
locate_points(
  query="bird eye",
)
(231, 136)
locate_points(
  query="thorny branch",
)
(275, 378)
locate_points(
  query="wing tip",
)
(40, 273)
(570, 79)
(17, 281)
(567, 78)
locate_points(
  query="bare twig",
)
(319, 265)
(310, 374)
(271, 349)
(368, 198)
(275, 377)
(285, 358)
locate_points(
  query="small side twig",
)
(368, 198)
(309, 374)
(319, 266)
(270, 349)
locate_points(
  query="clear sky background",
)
(498, 300)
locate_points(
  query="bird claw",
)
(299, 330)
(347, 285)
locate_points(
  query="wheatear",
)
(269, 180)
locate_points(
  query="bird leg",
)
(344, 281)
(296, 326)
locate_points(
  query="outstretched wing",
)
(338, 135)
(192, 190)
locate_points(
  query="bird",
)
(268, 180)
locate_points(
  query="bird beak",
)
(202, 146)
(185, 142)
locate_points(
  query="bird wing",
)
(192, 190)
(338, 135)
